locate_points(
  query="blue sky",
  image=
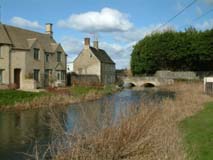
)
(119, 24)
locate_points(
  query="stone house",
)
(29, 59)
(95, 61)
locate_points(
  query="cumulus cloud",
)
(205, 25)
(136, 34)
(21, 22)
(107, 20)
(119, 53)
(71, 46)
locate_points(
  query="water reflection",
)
(19, 130)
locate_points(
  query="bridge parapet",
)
(141, 81)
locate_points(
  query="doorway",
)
(17, 73)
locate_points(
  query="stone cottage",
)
(95, 61)
(29, 59)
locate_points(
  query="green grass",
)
(10, 97)
(198, 134)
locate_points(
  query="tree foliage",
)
(190, 50)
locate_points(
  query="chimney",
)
(95, 44)
(87, 42)
(49, 29)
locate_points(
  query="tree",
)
(176, 51)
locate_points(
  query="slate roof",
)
(23, 39)
(101, 55)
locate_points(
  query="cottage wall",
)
(87, 63)
(18, 61)
(4, 62)
(108, 73)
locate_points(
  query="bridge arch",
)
(148, 85)
(129, 84)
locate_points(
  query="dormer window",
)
(58, 56)
(36, 53)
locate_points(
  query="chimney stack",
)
(95, 44)
(86, 42)
(49, 29)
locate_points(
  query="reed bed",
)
(149, 132)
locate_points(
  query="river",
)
(21, 129)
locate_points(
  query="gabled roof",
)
(4, 39)
(101, 55)
(20, 38)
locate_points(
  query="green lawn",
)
(10, 97)
(198, 134)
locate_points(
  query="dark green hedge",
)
(191, 50)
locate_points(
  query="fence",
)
(208, 85)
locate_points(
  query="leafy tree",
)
(176, 51)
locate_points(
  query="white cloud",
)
(107, 20)
(21, 22)
(119, 53)
(71, 46)
(205, 25)
(136, 34)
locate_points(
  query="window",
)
(1, 76)
(36, 54)
(58, 76)
(62, 75)
(47, 57)
(36, 75)
(58, 56)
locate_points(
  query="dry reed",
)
(150, 133)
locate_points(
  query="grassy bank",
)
(21, 100)
(11, 97)
(147, 132)
(198, 134)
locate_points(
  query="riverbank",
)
(11, 100)
(198, 134)
(150, 132)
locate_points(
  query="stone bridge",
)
(147, 81)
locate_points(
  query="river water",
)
(20, 130)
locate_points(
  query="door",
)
(17, 77)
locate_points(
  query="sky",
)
(117, 24)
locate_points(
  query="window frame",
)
(59, 59)
(47, 55)
(36, 54)
(63, 75)
(37, 77)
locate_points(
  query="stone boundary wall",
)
(3, 86)
(84, 79)
(183, 75)
(29, 84)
